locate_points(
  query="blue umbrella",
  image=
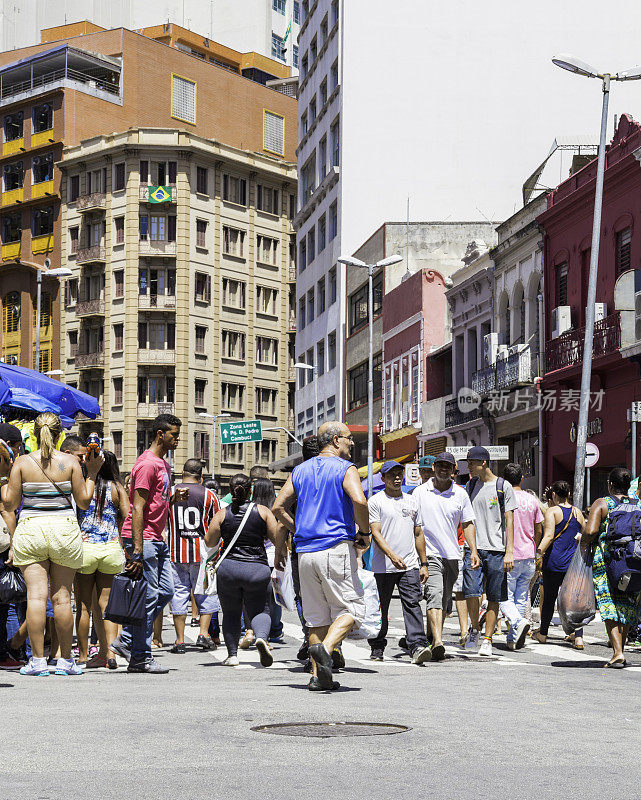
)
(23, 398)
(69, 401)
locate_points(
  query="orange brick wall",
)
(229, 107)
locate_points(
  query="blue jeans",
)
(156, 570)
(518, 588)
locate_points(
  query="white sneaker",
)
(486, 647)
(521, 632)
(231, 661)
(472, 641)
(511, 645)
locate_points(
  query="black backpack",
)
(473, 487)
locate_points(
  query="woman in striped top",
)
(47, 545)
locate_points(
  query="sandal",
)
(618, 663)
(96, 662)
(578, 646)
(538, 637)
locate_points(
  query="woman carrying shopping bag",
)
(619, 610)
(562, 525)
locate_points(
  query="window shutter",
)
(206, 446)
(144, 172)
(208, 288)
(142, 335)
(171, 336)
(172, 172)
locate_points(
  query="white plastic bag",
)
(205, 553)
(371, 624)
(283, 586)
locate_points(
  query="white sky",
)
(461, 100)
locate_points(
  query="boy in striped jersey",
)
(192, 508)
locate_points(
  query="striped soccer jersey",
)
(189, 521)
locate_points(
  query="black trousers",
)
(551, 584)
(410, 592)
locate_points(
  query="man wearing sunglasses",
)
(330, 504)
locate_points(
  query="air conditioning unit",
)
(561, 320)
(490, 345)
(502, 351)
(600, 311)
(517, 348)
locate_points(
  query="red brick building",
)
(567, 226)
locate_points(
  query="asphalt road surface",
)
(543, 722)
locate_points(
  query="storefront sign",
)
(497, 453)
(594, 426)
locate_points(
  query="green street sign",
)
(247, 430)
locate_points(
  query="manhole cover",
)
(327, 730)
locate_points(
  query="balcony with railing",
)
(168, 195)
(454, 416)
(291, 324)
(291, 274)
(161, 302)
(91, 255)
(90, 308)
(152, 410)
(567, 349)
(89, 360)
(484, 381)
(515, 370)
(96, 201)
(156, 356)
(156, 247)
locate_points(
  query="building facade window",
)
(267, 199)
(265, 451)
(119, 339)
(183, 99)
(117, 440)
(117, 384)
(278, 49)
(42, 168)
(119, 177)
(320, 357)
(201, 233)
(333, 221)
(119, 228)
(14, 126)
(231, 453)
(235, 190)
(234, 293)
(200, 387)
(201, 336)
(201, 180)
(233, 345)
(266, 401)
(233, 397)
(266, 300)
(202, 289)
(332, 286)
(233, 242)
(42, 118)
(331, 351)
(42, 221)
(561, 272)
(358, 304)
(321, 296)
(623, 245)
(266, 250)
(266, 351)
(335, 143)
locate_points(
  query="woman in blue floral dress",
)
(619, 610)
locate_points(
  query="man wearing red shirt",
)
(142, 536)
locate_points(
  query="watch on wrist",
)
(424, 564)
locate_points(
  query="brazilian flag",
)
(159, 194)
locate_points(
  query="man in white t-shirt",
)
(442, 507)
(397, 547)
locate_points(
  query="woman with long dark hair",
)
(103, 558)
(244, 576)
(562, 525)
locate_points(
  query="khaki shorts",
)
(105, 557)
(330, 586)
(48, 537)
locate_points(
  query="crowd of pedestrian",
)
(488, 548)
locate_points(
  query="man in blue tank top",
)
(330, 503)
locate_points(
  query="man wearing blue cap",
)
(398, 559)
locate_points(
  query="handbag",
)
(13, 589)
(127, 600)
(212, 565)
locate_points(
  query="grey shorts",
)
(440, 584)
(330, 586)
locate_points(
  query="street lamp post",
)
(355, 262)
(60, 272)
(213, 417)
(573, 64)
(313, 368)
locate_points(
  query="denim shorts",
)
(491, 572)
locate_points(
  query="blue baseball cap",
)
(388, 465)
(426, 462)
(478, 453)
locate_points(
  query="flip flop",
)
(618, 664)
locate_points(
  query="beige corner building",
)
(182, 256)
